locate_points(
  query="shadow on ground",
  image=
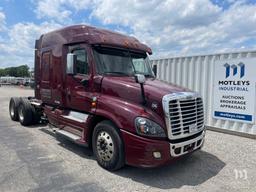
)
(191, 170)
(83, 152)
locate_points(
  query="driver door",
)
(78, 90)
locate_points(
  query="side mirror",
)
(140, 78)
(70, 64)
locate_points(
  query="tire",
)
(25, 112)
(13, 108)
(36, 116)
(108, 146)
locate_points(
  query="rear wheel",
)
(25, 112)
(108, 146)
(13, 108)
(36, 116)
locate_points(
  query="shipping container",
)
(197, 73)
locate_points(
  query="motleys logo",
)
(234, 68)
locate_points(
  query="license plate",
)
(192, 128)
(189, 147)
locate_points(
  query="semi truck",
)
(97, 88)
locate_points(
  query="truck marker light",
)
(103, 38)
(94, 99)
(94, 102)
(126, 43)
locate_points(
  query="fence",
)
(197, 73)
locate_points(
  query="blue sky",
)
(170, 27)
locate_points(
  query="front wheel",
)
(108, 146)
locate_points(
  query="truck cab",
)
(97, 88)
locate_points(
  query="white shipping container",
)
(197, 74)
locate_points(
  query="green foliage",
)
(20, 71)
(2, 72)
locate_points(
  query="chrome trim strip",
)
(68, 134)
(76, 116)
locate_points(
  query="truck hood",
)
(127, 89)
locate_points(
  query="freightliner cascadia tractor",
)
(97, 89)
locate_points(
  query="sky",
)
(169, 27)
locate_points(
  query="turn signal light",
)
(94, 102)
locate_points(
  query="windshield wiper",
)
(148, 75)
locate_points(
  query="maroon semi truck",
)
(97, 88)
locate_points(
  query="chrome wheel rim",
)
(105, 146)
(21, 116)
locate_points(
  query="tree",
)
(2, 72)
(20, 71)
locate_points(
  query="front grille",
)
(186, 116)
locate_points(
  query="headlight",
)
(147, 127)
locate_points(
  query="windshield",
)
(121, 62)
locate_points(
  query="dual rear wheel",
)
(21, 110)
(13, 108)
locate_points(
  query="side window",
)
(81, 62)
(139, 65)
(46, 66)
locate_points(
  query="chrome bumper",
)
(182, 148)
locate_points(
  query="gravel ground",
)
(32, 159)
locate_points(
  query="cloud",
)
(52, 9)
(59, 10)
(79, 5)
(156, 14)
(164, 24)
(170, 27)
(2, 21)
(18, 48)
(183, 27)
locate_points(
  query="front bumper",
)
(139, 150)
(182, 148)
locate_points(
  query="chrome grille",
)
(186, 116)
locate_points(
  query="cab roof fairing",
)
(91, 35)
